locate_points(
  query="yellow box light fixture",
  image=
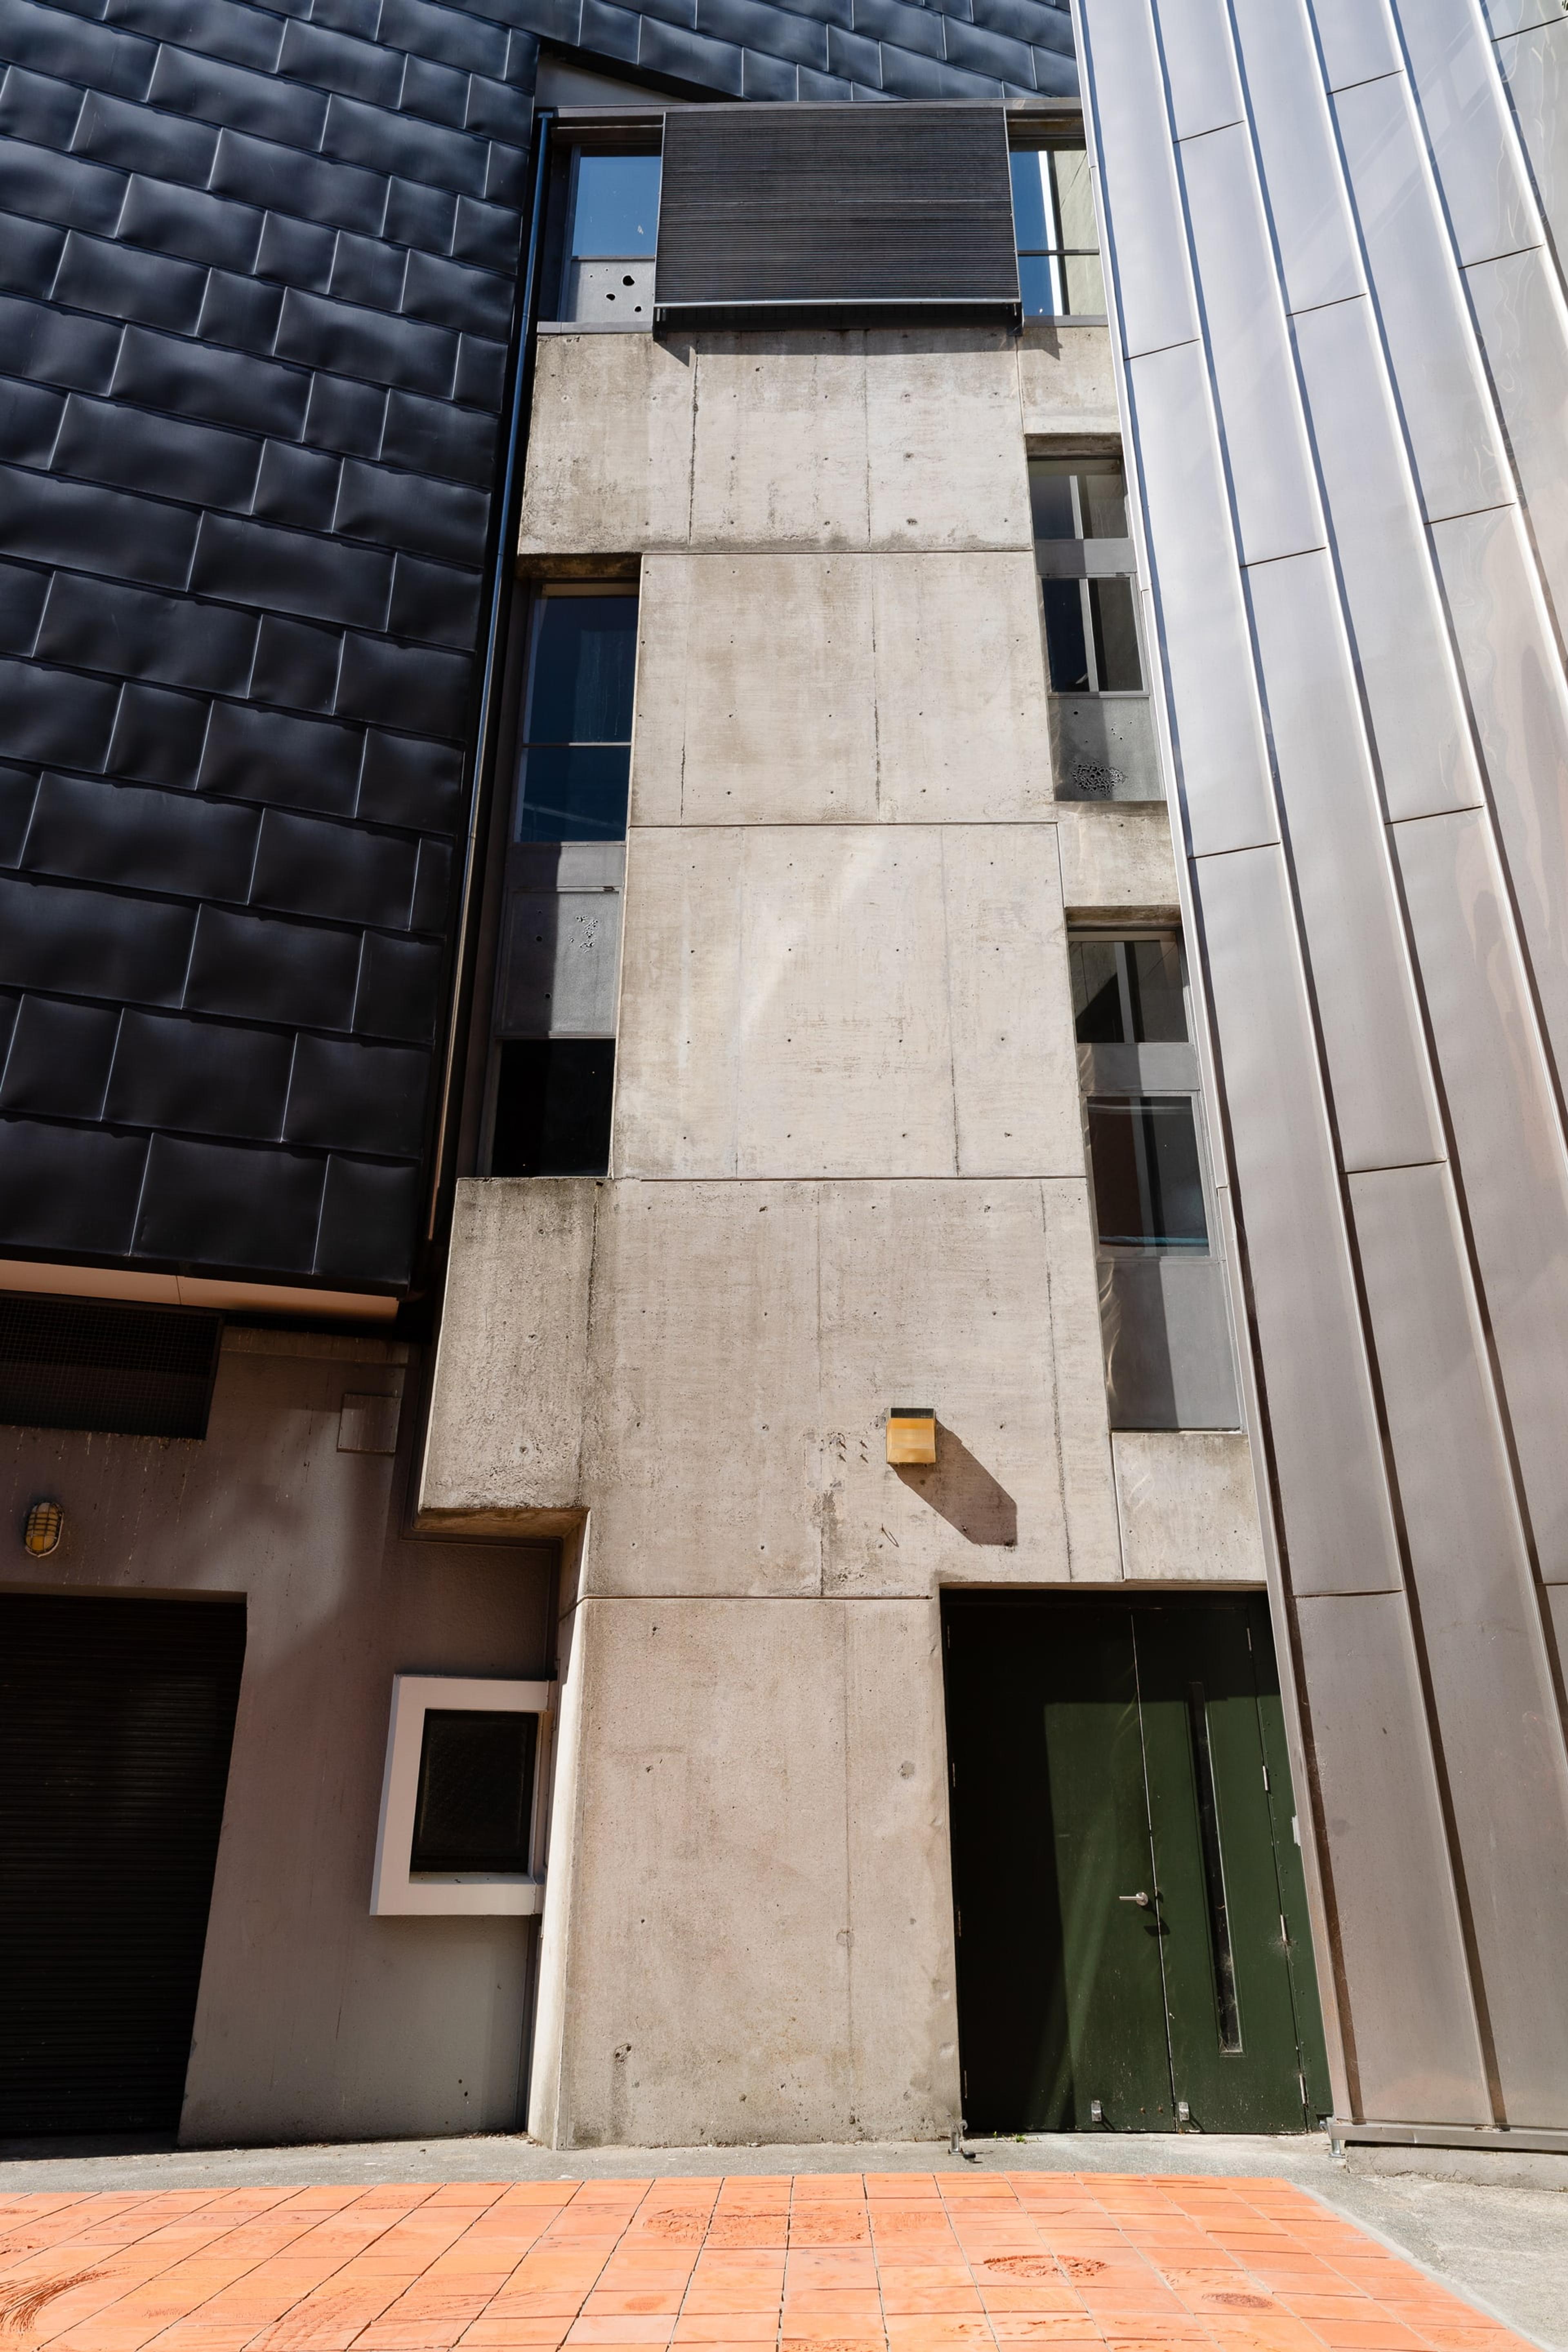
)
(911, 1435)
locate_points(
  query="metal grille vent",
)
(75, 1363)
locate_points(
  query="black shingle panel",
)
(258, 269)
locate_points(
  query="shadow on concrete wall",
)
(962, 1491)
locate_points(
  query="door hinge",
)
(951, 1774)
(958, 1914)
(1284, 1931)
(1296, 1827)
(1266, 1776)
(1303, 2080)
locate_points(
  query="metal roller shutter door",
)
(116, 1722)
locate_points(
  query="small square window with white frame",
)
(463, 1798)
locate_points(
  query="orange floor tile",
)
(831, 2262)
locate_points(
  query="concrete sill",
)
(595, 327)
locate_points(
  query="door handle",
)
(1142, 1900)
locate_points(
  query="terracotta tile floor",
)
(831, 2262)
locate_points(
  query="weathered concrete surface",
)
(728, 1878)
(1188, 1505)
(946, 456)
(784, 688)
(844, 1000)
(1117, 860)
(314, 2021)
(505, 1430)
(1067, 382)
(609, 449)
(780, 444)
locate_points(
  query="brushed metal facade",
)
(1335, 231)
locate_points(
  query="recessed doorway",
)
(1133, 1952)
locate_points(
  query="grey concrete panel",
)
(1523, 323)
(1508, 1141)
(1535, 68)
(1104, 747)
(1419, 721)
(1474, 146)
(1200, 65)
(1188, 1506)
(1115, 861)
(1401, 1952)
(1169, 1361)
(1459, 460)
(1094, 1546)
(1520, 704)
(505, 1433)
(1339, 1530)
(780, 446)
(1066, 381)
(712, 1852)
(1013, 1059)
(771, 675)
(1226, 791)
(1270, 469)
(902, 1966)
(561, 941)
(702, 1441)
(1132, 136)
(1491, 1680)
(1372, 1040)
(846, 1060)
(1357, 40)
(932, 486)
(315, 2021)
(609, 453)
(1315, 239)
(941, 1294)
(959, 715)
(677, 1055)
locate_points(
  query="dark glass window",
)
(553, 1107)
(1128, 992)
(476, 1791)
(575, 761)
(1148, 1181)
(1092, 626)
(1058, 244)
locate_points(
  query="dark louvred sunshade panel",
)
(826, 208)
(116, 1721)
(81, 1364)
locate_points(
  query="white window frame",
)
(398, 1891)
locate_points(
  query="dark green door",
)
(1132, 1947)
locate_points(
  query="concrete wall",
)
(847, 1172)
(315, 2020)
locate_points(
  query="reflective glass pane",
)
(1034, 223)
(1154, 988)
(1065, 640)
(1097, 991)
(1075, 198)
(585, 661)
(614, 210)
(573, 792)
(1084, 285)
(1039, 284)
(1103, 502)
(1115, 636)
(1148, 1183)
(1050, 499)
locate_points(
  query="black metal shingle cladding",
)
(258, 270)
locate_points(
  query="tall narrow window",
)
(1058, 244)
(613, 230)
(559, 954)
(1083, 550)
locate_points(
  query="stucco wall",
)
(314, 2021)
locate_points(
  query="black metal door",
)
(116, 1721)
